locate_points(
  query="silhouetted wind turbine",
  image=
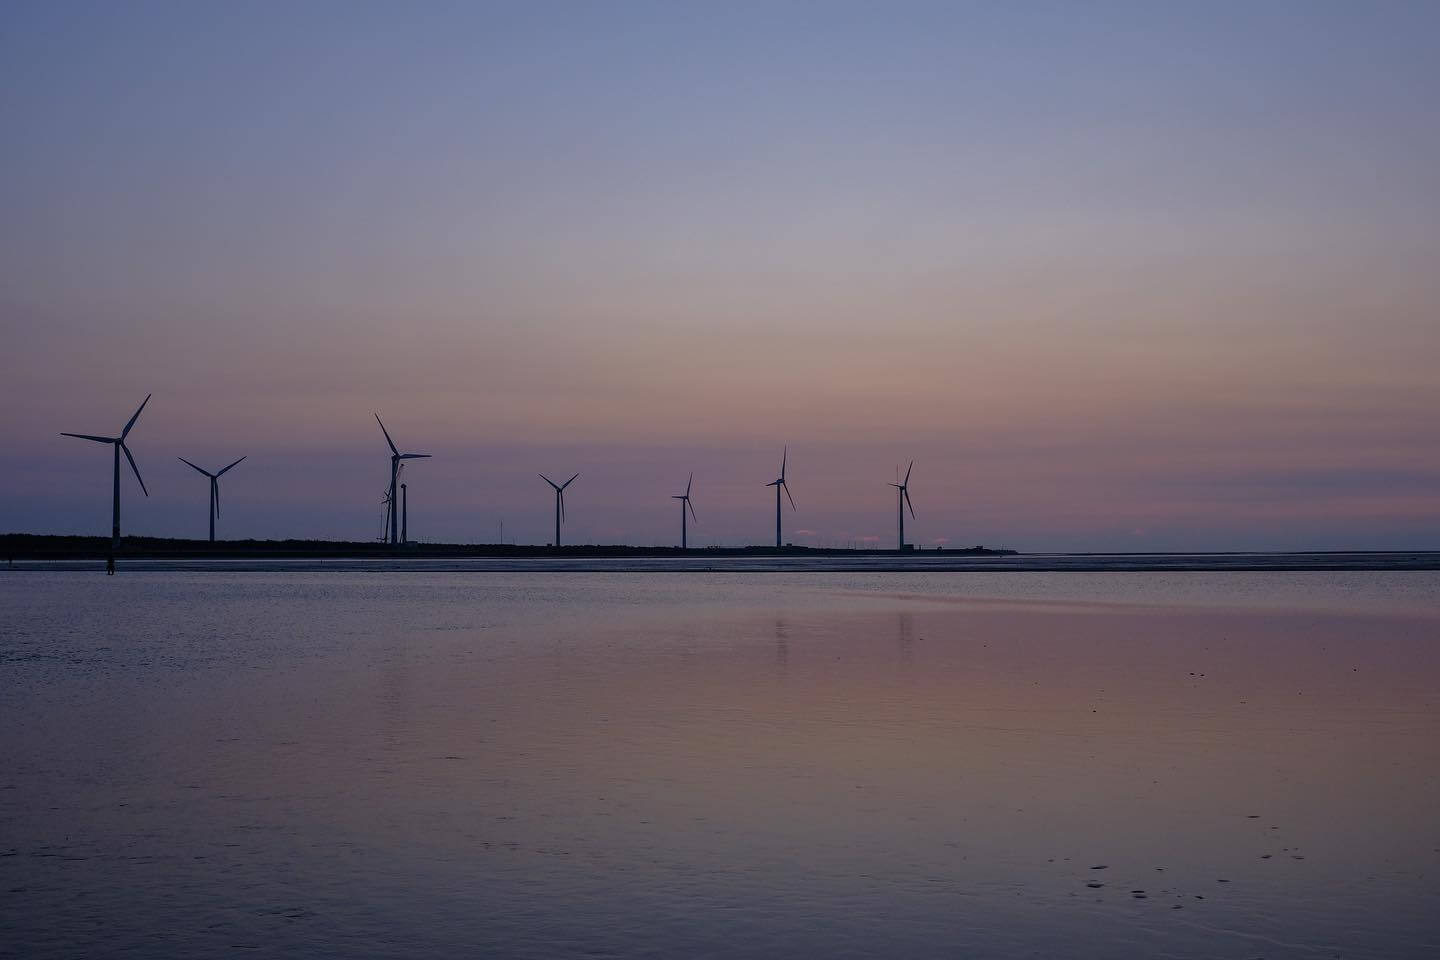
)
(559, 502)
(779, 485)
(902, 494)
(395, 457)
(119, 444)
(684, 499)
(385, 521)
(214, 490)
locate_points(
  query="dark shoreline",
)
(26, 546)
(20, 552)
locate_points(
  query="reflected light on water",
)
(366, 765)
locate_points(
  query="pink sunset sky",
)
(1116, 276)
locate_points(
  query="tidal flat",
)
(371, 764)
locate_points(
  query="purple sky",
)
(1116, 275)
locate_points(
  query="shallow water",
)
(921, 765)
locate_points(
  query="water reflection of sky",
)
(375, 766)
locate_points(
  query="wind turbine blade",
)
(415, 456)
(907, 472)
(86, 436)
(193, 467)
(135, 468)
(773, 483)
(784, 456)
(549, 481)
(387, 435)
(689, 482)
(568, 482)
(222, 472)
(908, 503)
(215, 491)
(561, 494)
(126, 432)
(786, 488)
(692, 510)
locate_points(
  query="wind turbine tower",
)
(214, 490)
(119, 444)
(395, 457)
(684, 499)
(779, 485)
(902, 494)
(559, 502)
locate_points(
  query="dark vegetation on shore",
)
(27, 546)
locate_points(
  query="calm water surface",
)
(579, 765)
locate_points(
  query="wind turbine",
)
(119, 444)
(385, 502)
(779, 485)
(684, 499)
(902, 494)
(214, 491)
(395, 457)
(559, 502)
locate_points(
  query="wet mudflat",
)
(928, 765)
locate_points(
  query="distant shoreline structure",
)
(28, 546)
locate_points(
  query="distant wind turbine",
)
(779, 485)
(559, 502)
(395, 457)
(684, 499)
(119, 444)
(902, 494)
(214, 490)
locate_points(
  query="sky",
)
(1116, 276)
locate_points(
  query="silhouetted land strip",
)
(33, 552)
(21, 546)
